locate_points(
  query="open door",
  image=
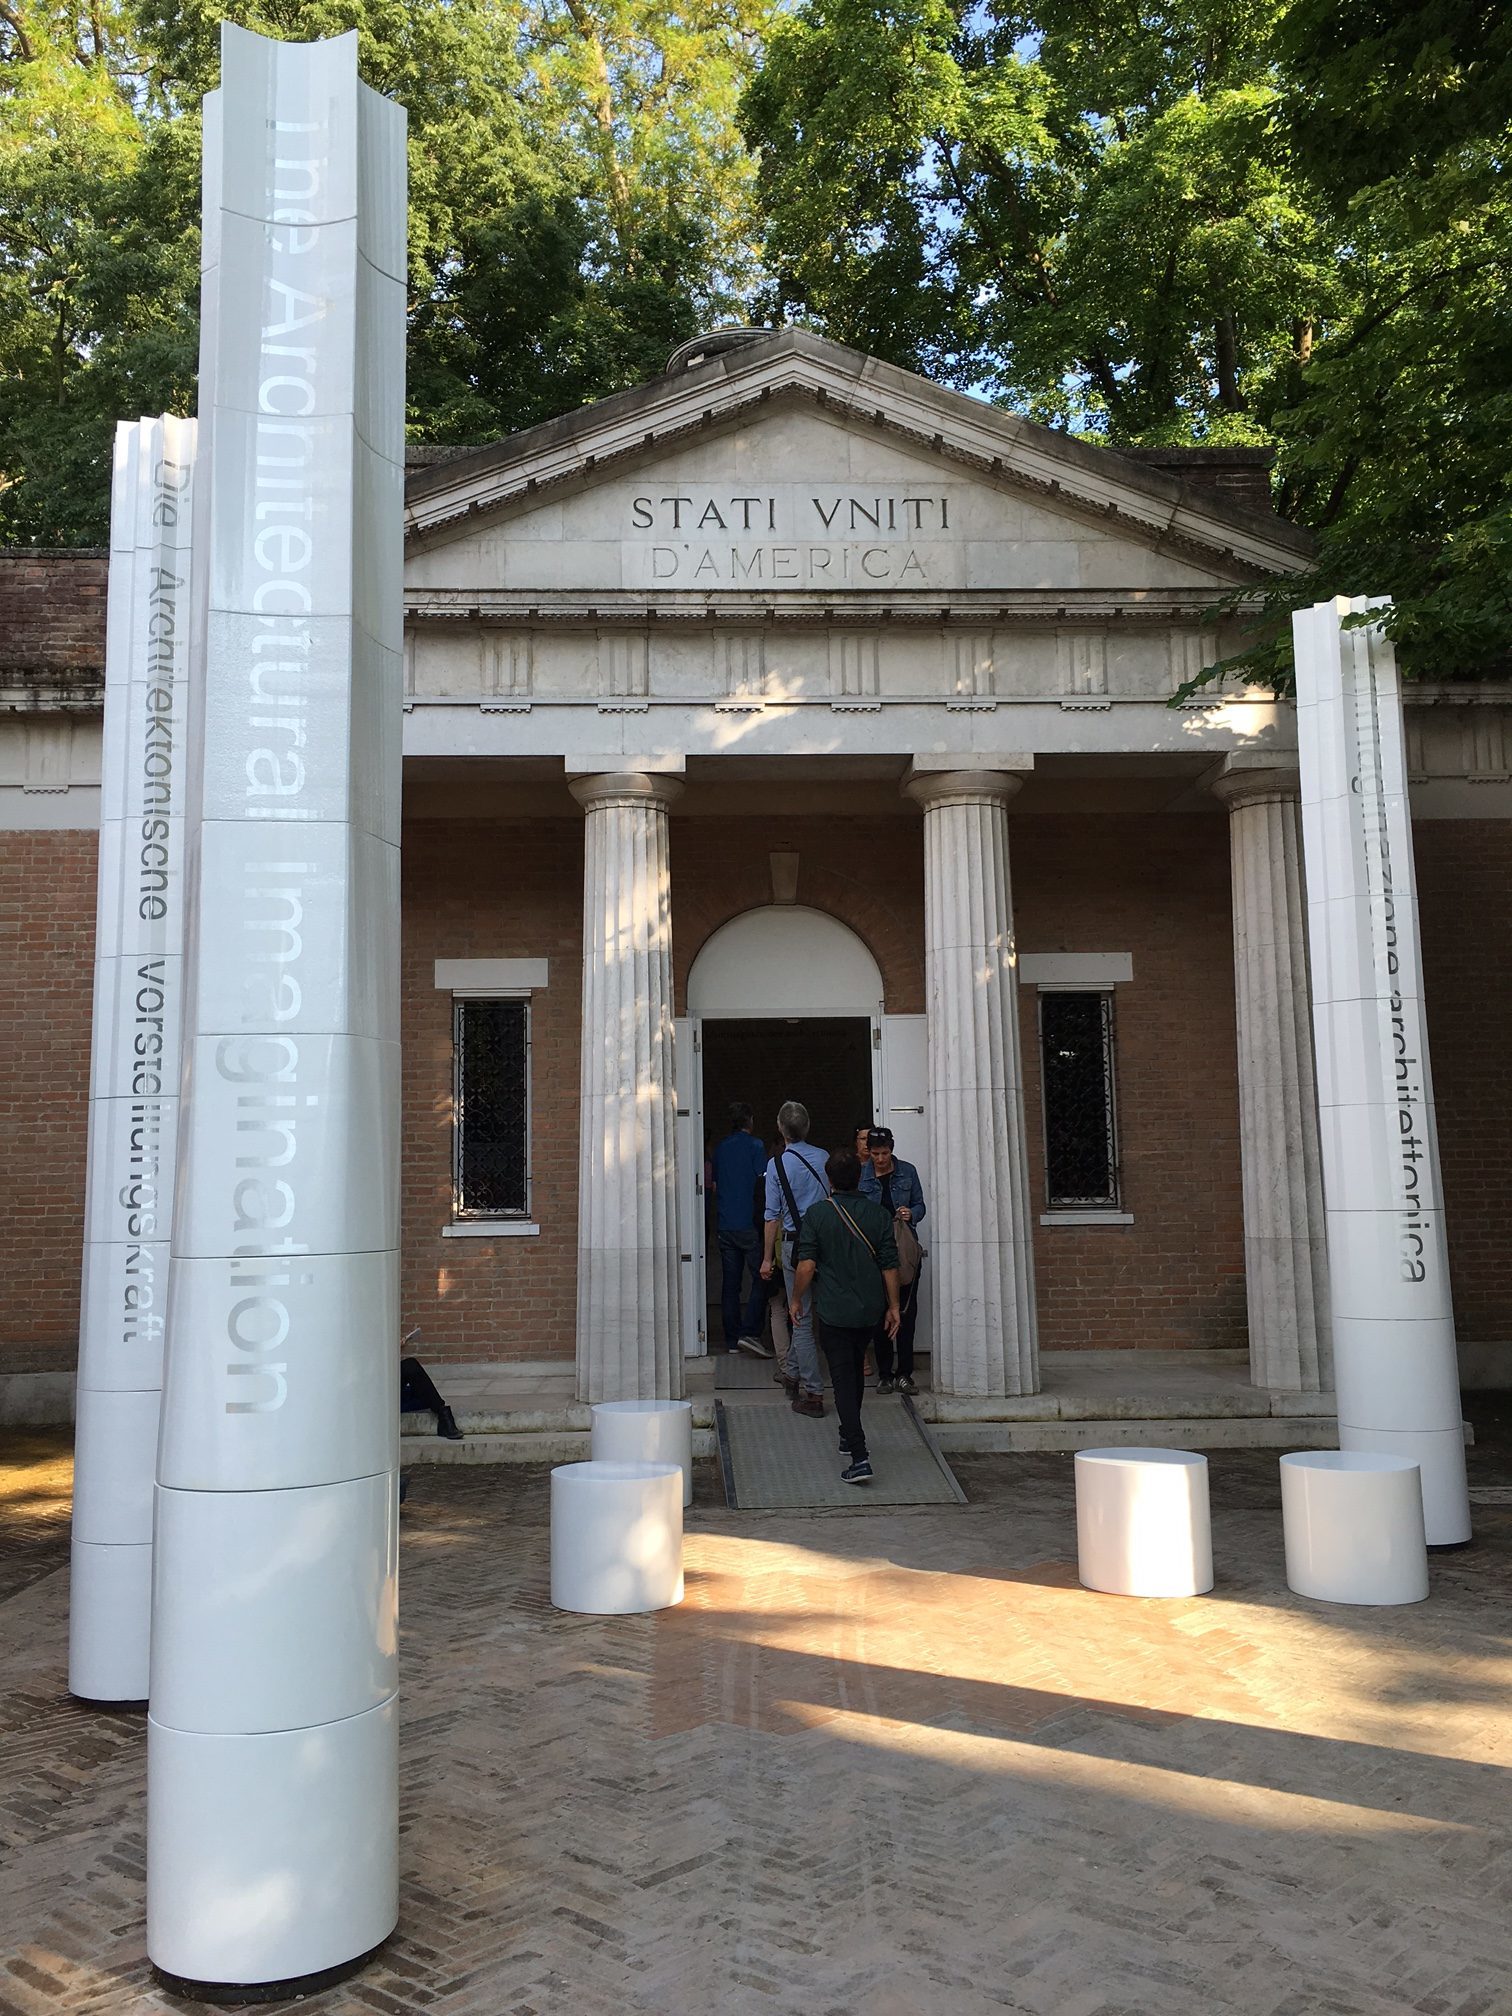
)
(693, 1272)
(904, 1107)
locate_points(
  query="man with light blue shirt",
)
(738, 1164)
(795, 1179)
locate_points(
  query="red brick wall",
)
(476, 890)
(867, 872)
(52, 611)
(1465, 890)
(1158, 888)
(47, 884)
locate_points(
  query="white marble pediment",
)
(795, 503)
(800, 470)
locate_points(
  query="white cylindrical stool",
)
(1142, 1524)
(616, 1537)
(1353, 1522)
(645, 1431)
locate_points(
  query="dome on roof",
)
(703, 349)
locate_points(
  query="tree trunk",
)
(1227, 348)
(602, 100)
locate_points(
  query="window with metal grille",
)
(491, 1063)
(1076, 1069)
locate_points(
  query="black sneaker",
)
(907, 1386)
(886, 1385)
(857, 1473)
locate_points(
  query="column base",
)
(271, 1858)
(294, 1989)
(1440, 1455)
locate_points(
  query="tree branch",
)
(12, 18)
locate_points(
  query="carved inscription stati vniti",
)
(790, 535)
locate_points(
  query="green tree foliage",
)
(580, 202)
(97, 266)
(1395, 439)
(1275, 221)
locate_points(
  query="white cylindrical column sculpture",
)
(616, 1537)
(1393, 1321)
(134, 1062)
(1353, 1521)
(980, 1238)
(1285, 1245)
(272, 1761)
(628, 1336)
(646, 1431)
(1143, 1526)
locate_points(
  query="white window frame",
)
(494, 980)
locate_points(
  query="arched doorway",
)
(783, 1002)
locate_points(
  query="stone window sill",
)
(490, 1228)
(1086, 1218)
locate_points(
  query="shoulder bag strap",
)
(787, 1191)
(854, 1226)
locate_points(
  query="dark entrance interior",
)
(824, 1061)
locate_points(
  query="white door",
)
(687, 1066)
(904, 1108)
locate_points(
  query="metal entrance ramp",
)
(735, 1372)
(774, 1459)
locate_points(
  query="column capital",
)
(1247, 779)
(930, 788)
(625, 787)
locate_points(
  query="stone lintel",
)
(670, 763)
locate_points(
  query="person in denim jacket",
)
(895, 1185)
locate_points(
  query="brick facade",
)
(52, 616)
(1465, 890)
(47, 917)
(1157, 888)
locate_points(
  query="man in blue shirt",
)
(738, 1162)
(895, 1185)
(801, 1181)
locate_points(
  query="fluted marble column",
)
(1285, 1253)
(979, 1223)
(628, 1336)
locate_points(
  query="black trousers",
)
(882, 1344)
(845, 1351)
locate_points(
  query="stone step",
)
(1228, 1431)
(528, 1445)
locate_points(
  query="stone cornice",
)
(1110, 491)
(954, 608)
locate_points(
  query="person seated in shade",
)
(847, 1254)
(895, 1185)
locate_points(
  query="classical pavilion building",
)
(777, 730)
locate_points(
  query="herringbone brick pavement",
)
(885, 1762)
